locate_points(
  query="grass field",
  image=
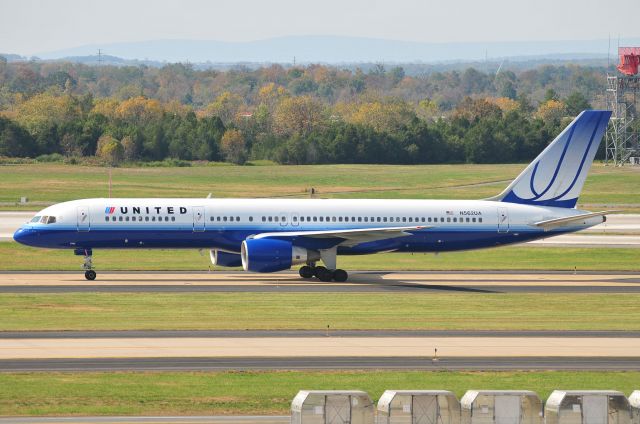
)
(360, 311)
(270, 393)
(56, 182)
(18, 257)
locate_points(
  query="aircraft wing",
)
(349, 237)
(561, 222)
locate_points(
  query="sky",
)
(29, 27)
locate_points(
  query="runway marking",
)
(273, 347)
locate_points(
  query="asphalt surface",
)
(318, 363)
(290, 282)
(248, 419)
(120, 334)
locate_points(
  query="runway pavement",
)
(326, 347)
(620, 230)
(290, 282)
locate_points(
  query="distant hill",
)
(336, 50)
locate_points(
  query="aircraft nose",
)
(23, 236)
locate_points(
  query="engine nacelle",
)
(221, 258)
(271, 255)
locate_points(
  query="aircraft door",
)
(84, 223)
(198, 218)
(503, 220)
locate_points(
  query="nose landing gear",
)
(89, 273)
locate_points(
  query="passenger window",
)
(366, 219)
(250, 219)
(404, 219)
(479, 219)
(411, 219)
(467, 219)
(166, 219)
(173, 218)
(428, 219)
(339, 219)
(321, 218)
(120, 218)
(295, 219)
(423, 219)
(264, 219)
(384, 219)
(315, 218)
(224, 218)
(378, 219)
(211, 218)
(333, 219)
(473, 220)
(237, 219)
(283, 219)
(153, 218)
(106, 218)
(270, 219)
(126, 219)
(146, 218)
(448, 219)
(359, 219)
(441, 219)
(455, 219)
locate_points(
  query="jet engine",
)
(221, 258)
(270, 255)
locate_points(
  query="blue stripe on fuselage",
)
(427, 240)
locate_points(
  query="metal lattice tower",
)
(623, 140)
(622, 136)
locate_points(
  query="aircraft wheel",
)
(318, 270)
(90, 275)
(340, 275)
(325, 275)
(306, 271)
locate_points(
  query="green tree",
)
(233, 147)
(110, 150)
(576, 103)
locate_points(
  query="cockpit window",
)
(44, 219)
(36, 218)
(51, 220)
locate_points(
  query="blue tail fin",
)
(556, 176)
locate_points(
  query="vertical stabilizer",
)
(556, 176)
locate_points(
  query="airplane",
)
(270, 235)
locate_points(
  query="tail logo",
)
(557, 175)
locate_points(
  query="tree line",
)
(313, 114)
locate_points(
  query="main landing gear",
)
(89, 273)
(323, 274)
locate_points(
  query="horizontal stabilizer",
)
(561, 222)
